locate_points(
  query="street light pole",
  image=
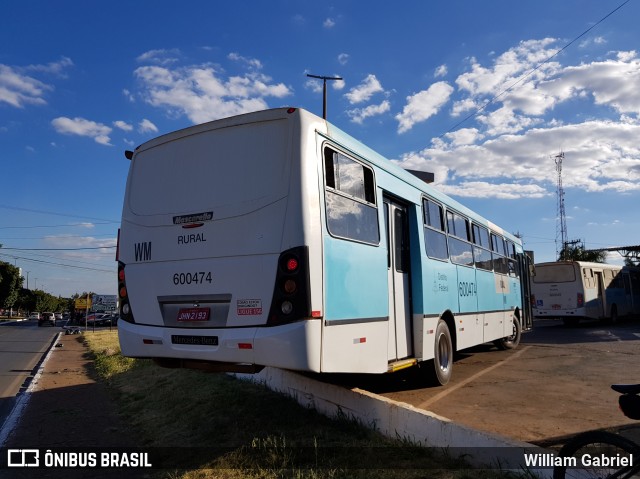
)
(324, 91)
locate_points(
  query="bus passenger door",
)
(601, 303)
(400, 344)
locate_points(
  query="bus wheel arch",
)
(440, 369)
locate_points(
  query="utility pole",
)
(324, 91)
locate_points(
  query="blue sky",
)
(483, 94)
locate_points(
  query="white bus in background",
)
(574, 290)
(275, 239)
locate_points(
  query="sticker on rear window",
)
(249, 307)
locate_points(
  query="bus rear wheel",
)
(442, 366)
(511, 342)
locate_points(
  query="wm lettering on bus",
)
(142, 251)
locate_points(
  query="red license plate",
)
(194, 314)
(556, 306)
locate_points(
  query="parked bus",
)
(574, 290)
(275, 239)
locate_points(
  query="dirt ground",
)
(554, 385)
(70, 408)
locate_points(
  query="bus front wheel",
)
(443, 355)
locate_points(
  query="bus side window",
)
(511, 260)
(481, 253)
(434, 235)
(499, 259)
(460, 250)
(350, 199)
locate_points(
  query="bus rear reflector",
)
(580, 302)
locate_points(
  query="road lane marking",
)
(451, 389)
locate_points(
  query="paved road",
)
(557, 383)
(22, 345)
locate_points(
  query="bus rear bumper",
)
(558, 313)
(290, 346)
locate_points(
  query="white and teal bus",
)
(275, 239)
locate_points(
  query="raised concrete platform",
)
(399, 420)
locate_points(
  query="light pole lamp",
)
(324, 91)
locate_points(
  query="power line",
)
(54, 236)
(58, 226)
(17, 208)
(73, 259)
(59, 264)
(530, 72)
(59, 249)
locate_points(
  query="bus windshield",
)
(556, 273)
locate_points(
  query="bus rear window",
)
(231, 171)
(557, 273)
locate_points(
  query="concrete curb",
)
(400, 420)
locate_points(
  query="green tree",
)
(10, 285)
(577, 252)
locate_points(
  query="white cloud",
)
(611, 82)
(464, 136)
(83, 127)
(160, 56)
(251, 62)
(123, 125)
(505, 191)
(441, 71)
(358, 115)
(56, 68)
(314, 85)
(343, 58)
(329, 23)
(363, 92)
(146, 126)
(19, 87)
(19, 90)
(338, 84)
(202, 93)
(423, 105)
(599, 156)
(522, 85)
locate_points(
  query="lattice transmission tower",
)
(561, 219)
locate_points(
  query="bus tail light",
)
(290, 300)
(580, 302)
(123, 297)
(533, 301)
